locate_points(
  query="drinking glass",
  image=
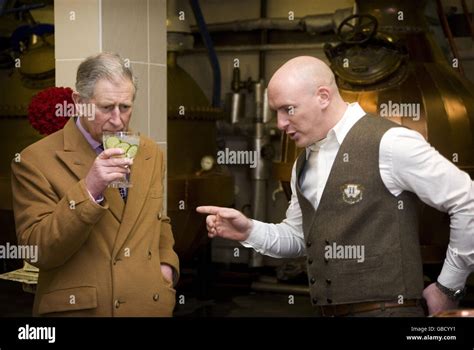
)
(128, 141)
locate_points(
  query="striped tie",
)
(123, 193)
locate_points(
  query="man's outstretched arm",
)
(282, 240)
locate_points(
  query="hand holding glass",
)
(129, 142)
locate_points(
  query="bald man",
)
(353, 211)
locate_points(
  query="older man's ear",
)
(76, 97)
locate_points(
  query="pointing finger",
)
(209, 209)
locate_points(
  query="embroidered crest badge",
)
(352, 193)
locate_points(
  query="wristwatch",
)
(452, 294)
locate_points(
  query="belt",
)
(346, 309)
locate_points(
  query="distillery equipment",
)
(26, 67)
(194, 177)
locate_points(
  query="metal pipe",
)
(259, 177)
(258, 212)
(235, 107)
(260, 173)
(259, 91)
(449, 34)
(255, 24)
(267, 113)
(206, 38)
(267, 47)
(311, 23)
(468, 18)
(263, 41)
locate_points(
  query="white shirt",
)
(407, 163)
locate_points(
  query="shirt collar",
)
(93, 143)
(351, 116)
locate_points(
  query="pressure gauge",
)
(207, 162)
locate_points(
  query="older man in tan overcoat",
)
(101, 252)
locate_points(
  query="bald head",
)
(303, 71)
(305, 96)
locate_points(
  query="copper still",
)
(387, 55)
(18, 85)
(194, 178)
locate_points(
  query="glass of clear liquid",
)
(128, 141)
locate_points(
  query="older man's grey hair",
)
(105, 65)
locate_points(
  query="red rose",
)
(47, 111)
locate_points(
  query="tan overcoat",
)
(94, 260)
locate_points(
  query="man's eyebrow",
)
(111, 102)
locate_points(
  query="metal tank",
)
(20, 80)
(194, 178)
(26, 67)
(387, 57)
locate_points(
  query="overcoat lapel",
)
(140, 178)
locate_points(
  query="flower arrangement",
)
(44, 106)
